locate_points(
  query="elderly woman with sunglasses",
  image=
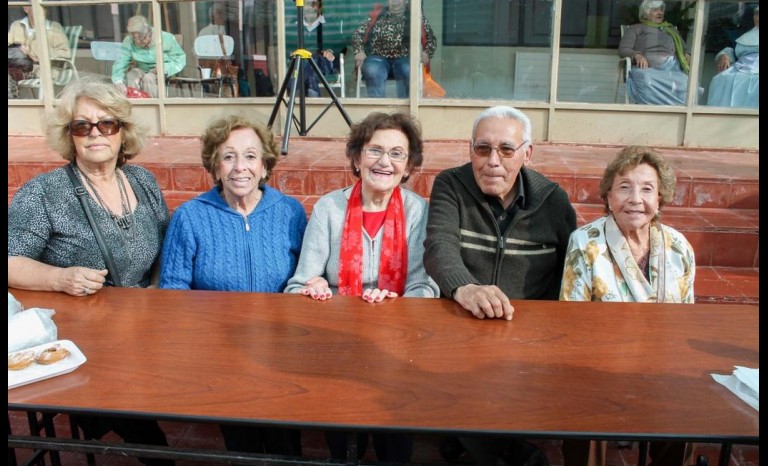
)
(367, 240)
(51, 245)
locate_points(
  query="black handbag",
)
(18, 59)
(82, 196)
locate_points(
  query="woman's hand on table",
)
(317, 288)
(80, 281)
(376, 295)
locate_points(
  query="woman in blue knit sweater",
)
(242, 235)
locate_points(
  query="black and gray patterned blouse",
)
(46, 222)
(388, 36)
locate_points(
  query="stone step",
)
(720, 237)
(734, 285)
(186, 180)
(315, 166)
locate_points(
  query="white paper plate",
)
(36, 372)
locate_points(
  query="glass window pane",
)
(493, 49)
(259, 64)
(327, 34)
(106, 48)
(588, 70)
(377, 29)
(656, 39)
(730, 68)
(610, 54)
(25, 71)
(210, 35)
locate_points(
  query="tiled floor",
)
(189, 435)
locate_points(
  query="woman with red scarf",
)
(367, 240)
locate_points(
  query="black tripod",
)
(296, 71)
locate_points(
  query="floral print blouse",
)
(600, 267)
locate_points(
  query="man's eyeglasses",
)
(505, 150)
(105, 127)
(398, 153)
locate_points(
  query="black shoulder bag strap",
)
(82, 196)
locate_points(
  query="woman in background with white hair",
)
(660, 58)
(137, 64)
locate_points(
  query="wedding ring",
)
(86, 290)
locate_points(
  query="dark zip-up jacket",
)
(464, 244)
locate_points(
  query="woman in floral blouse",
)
(630, 256)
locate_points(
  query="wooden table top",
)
(424, 365)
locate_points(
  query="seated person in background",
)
(381, 45)
(630, 256)
(22, 32)
(241, 235)
(315, 41)
(738, 82)
(139, 49)
(13, 88)
(367, 240)
(660, 59)
(218, 24)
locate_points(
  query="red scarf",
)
(393, 263)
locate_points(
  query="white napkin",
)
(14, 306)
(744, 383)
(31, 328)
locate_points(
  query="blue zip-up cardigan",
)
(209, 246)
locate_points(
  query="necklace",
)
(125, 220)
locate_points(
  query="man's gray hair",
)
(505, 112)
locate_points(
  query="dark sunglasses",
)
(105, 127)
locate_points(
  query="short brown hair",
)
(631, 157)
(362, 132)
(219, 130)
